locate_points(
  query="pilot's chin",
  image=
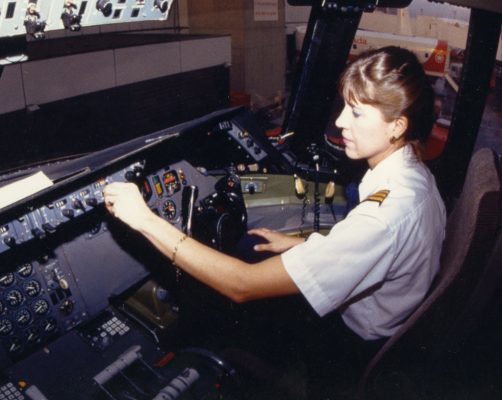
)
(350, 153)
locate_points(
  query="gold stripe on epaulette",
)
(378, 197)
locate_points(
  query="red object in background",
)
(433, 148)
(436, 141)
(274, 132)
(240, 99)
(436, 63)
(335, 140)
(166, 359)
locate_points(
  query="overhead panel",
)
(487, 5)
(89, 13)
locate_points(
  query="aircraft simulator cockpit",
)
(69, 268)
(89, 309)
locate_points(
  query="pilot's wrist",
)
(146, 221)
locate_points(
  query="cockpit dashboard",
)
(85, 301)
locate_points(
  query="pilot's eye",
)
(355, 113)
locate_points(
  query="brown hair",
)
(393, 80)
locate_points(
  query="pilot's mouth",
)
(336, 140)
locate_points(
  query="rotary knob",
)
(66, 307)
(10, 241)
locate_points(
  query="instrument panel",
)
(164, 184)
(56, 279)
(38, 300)
(40, 297)
(44, 220)
(65, 262)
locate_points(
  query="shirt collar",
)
(385, 169)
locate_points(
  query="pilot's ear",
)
(399, 127)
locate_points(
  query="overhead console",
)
(76, 15)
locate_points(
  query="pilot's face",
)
(366, 134)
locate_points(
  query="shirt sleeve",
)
(354, 256)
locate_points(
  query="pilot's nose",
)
(342, 120)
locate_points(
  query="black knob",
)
(38, 233)
(10, 241)
(68, 213)
(162, 5)
(77, 204)
(138, 172)
(105, 6)
(66, 307)
(130, 176)
(49, 228)
(91, 202)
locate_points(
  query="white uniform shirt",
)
(377, 264)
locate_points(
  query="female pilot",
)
(376, 265)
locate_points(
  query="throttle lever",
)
(188, 199)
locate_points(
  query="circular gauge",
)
(15, 345)
(171, 182)
(23, 317)
(14, 298)
(32, 335)
(49, 325)
(169, 209)
(40, 307)
(32, 288)
(25, 270)
(7, 279)
(5, 326)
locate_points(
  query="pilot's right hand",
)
(277, 242)
(124, 201)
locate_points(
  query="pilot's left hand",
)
(277, 242)
(124, 201)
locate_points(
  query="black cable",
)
(304, 208)
(317, 196)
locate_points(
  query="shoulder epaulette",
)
(378, 197)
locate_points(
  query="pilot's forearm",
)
(230, 276)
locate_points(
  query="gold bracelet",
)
(176, 247)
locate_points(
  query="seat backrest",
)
(485, 295)
(470, 234)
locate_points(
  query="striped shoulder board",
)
(378, 197)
